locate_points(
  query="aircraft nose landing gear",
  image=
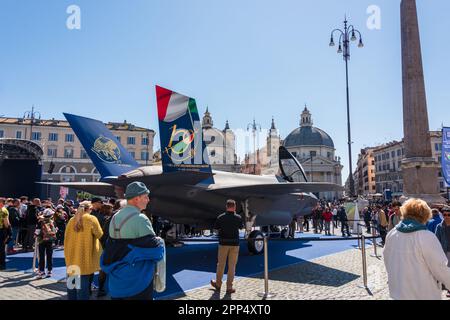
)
(255, 247)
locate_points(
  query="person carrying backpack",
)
(14, 221)
(46, 235)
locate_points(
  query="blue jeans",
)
(83, 292)
(11, 242)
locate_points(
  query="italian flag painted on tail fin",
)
(172, 105)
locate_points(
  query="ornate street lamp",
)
(254, 126)
(345, 36)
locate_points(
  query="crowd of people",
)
(117, 239)
(96, 236)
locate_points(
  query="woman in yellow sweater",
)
(82, 251)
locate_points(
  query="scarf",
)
(409, 225)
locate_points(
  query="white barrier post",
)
(266, 293)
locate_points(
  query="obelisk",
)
(420, 170)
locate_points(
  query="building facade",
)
(388, 164)
(221, 145)
(63, 150)
(364, 176)
(315, 150)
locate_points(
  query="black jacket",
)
(228, 224)
(32, 212)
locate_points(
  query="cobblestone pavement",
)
(334, 277)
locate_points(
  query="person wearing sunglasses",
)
(443, 234)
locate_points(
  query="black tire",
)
(255, 247)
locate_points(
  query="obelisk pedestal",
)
(420, 170)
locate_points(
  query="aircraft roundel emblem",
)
(106, 149)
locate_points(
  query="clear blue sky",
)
(243, 59)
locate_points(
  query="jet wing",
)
(274, 189)
(162, 179)
(96, 188)
(107, 187)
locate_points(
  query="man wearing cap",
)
(134, 224)
(132, 251)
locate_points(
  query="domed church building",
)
(315, 150)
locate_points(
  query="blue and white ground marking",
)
(194, 265)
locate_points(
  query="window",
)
(70, 137)
(399, 153)
(83, 154)
(133, 154)
(384, 167)
(387, 155)
(144, 155)
(131, 140)
(329, 155)
(383, 156)
(388, 166)
(118, 138)
(52, 137)
(313, 154)
(68, 153)
(213, 153)
(393, 154)
(52, 152)
(2, 133)
(18, 134)
(36, 136)
(144, 141)
(399, 164)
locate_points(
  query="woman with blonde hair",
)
(82, 251)
(415, 262)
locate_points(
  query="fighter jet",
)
(185, 190)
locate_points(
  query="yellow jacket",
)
(82, 249)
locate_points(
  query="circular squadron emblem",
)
(106, 149)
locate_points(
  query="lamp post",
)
(32, 116)
(345, 36)
(254, 126)
(311, 156)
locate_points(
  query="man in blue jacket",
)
(131, 252)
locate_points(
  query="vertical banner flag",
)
(182, 144)
(446, 154)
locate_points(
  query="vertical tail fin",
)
(182, 144)
(108, 155)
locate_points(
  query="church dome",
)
(307, 135)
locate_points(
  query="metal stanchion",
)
(363, 250)
(364, 264)
(374, 241)
(266, 293)
(35, 255)
(358, 235)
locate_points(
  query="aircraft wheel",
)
(256, 247)
(284, 233)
